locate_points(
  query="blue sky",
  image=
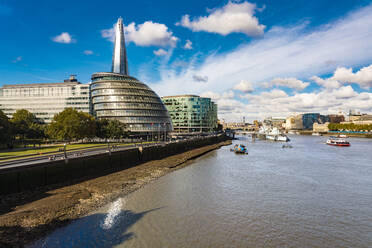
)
(254, 58)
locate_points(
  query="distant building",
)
(45, 100)
(277, 122)
(360, 120)
(294, 123)
(320, 128)
(309, 119)
(191, 113)
(336, 118)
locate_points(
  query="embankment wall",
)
(23, 178)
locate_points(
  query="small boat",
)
(241, 149)
(276, 135)
(336, 141)
(287, 146)
(316, 134)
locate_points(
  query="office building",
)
(45, 100)
(191, 113)
(116, 95)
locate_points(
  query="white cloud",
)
(160, 52)
(327, 83)
(344, 92)
(188, 45)
(88, 52)
(232, 18)
(146, 34)
(343, 75)
(244, 86)
(64, 38)
(284, 52)
(291, 82)
(363, 77)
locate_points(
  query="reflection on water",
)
(311, 195)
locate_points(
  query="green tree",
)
(26, 125)
(72, 125)
(6, 129)
(112, 129)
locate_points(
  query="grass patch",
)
(69, 147)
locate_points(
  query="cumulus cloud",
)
(343, 75)
(88, 52)
(291, 82)
(327, 83)
(188, 45)
(160, 52)
(284, 51)
(363, 77)
(64, 37)
(146, 34)
(232, 18)
(244, 86)
(198, 78)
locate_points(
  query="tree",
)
(112, 129)
(26, 125)
(72, 125)
(6, 129)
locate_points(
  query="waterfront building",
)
(191, 113)
(320, 128)
(116, 95)
(277, 122)
(360, 120)
(294, 122)
(45, 100)
(336, 118)
(309, 119)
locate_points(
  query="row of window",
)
(123, 92)
(101, 113)
(157, 106)
(139, 99)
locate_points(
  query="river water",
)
(311, 195)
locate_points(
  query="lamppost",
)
(64, 151)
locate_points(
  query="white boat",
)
(316, 134)
(276, 135)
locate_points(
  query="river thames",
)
(311, 195)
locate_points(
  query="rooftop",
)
(181, 96)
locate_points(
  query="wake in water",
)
(113, 212)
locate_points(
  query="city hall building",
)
(116, 95)
(191, 113)
(45, 100)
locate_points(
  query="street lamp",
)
(64, 151)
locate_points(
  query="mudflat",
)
(28, 216)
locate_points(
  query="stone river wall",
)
(15, 180)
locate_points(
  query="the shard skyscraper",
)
(119, 57)
(118, 96)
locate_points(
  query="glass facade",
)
(45, 99)
(191, 113)
(309, 119)
(122, 97)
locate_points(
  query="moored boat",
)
(242, 149)
(336, 141)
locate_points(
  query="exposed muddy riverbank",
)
(40, 212)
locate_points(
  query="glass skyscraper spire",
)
(116, 95)
(119, 57)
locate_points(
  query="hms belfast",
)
(116, 95)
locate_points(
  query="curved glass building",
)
(116, 95)
(124, 98)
